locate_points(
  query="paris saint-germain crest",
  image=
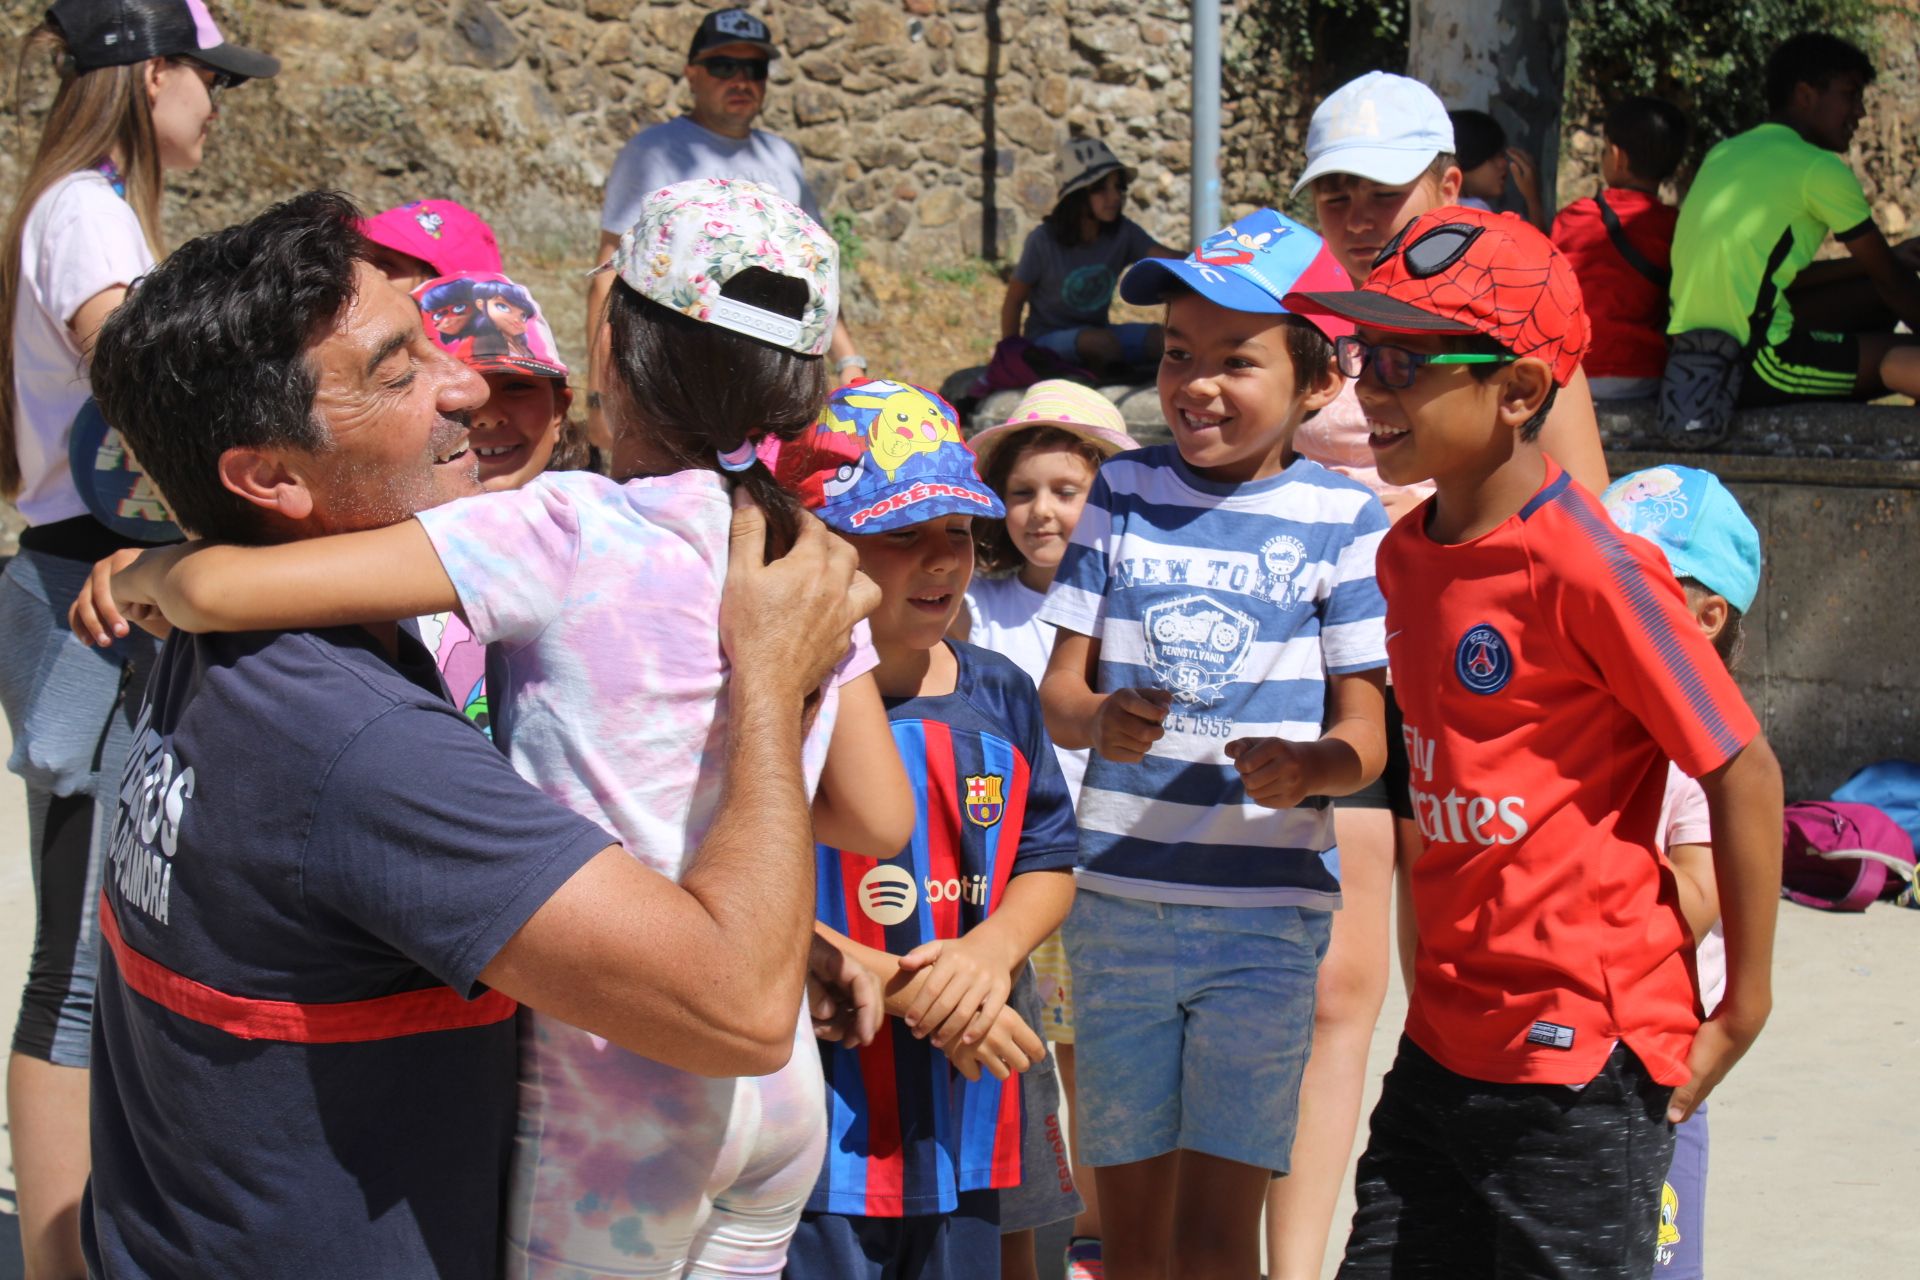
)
(1483, 661)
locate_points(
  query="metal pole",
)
(1204, 207)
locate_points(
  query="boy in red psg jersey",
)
(1548, 669)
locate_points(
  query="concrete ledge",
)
(1830, 663)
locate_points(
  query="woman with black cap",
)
(138, 82)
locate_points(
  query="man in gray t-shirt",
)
(727, 76)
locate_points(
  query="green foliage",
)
(967, 272)
(1708, 57)
(841, 227)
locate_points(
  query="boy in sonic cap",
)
(1215, 607)
(917, 1154)
(1548, 668)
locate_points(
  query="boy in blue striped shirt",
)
(1216, 605)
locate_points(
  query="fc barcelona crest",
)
(985, 804)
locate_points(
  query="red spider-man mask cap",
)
(1459, 270)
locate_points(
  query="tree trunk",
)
(1505, 57)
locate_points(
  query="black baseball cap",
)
(118, 33)
(730, 26)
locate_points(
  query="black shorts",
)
(1389, 790)
(1466, 1179)
(1809, 365)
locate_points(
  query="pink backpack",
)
(1841, 857)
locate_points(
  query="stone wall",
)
(916, 117)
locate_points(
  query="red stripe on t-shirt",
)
(1013, 823)
(944, 814)
(382, 1018)
(1006, 1136)
(886, 1166)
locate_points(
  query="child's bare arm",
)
(379, 575)
(1743, 805)
(864, 804)
(1018, 291)
(1280, 773)
(1010, 1046)
(1699, 894)
(969, 977)
(1122, 725)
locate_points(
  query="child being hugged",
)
(1714, 552)
(1067, 270)
(599, 602)
(917, 1154)
(1548, 669)
(1213, 590)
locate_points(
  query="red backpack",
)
(1840, 856)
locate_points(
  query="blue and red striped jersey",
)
(906, 1132)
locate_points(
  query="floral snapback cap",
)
(693, 237)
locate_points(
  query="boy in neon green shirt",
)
(1763, 203)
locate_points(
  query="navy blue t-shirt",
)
(312, 847)
(906, 1132)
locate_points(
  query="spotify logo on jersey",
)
(887, 895)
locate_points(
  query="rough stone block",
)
(480, 37)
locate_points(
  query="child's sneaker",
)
(1083, 1259)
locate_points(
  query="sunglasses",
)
(1396, 367)
(729, 68)
(212, 77)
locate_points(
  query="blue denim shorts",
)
(1192, 1026)
(1065, 343)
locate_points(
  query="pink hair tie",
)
(741, 458)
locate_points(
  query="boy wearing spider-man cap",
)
(1548, 668)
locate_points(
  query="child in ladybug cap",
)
(1548, 668)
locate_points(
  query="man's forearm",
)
(754, 872)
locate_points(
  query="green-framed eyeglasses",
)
(1396, 367)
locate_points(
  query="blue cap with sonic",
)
(1249, 266)
(1697, 524)
(884, 455)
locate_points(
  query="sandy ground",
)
(1815, 1161)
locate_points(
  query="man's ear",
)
(265, 479)
(1523, 390)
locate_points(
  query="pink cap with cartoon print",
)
(489, 323)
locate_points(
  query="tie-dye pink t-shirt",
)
(602, 604)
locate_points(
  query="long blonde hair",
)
(93, 115)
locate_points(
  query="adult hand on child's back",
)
(790, 620)
(1009, 1048)
(1129, 723)
(1722, 1041)
(1277, 773)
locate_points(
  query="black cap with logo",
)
(731, 26)
(118, 33)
